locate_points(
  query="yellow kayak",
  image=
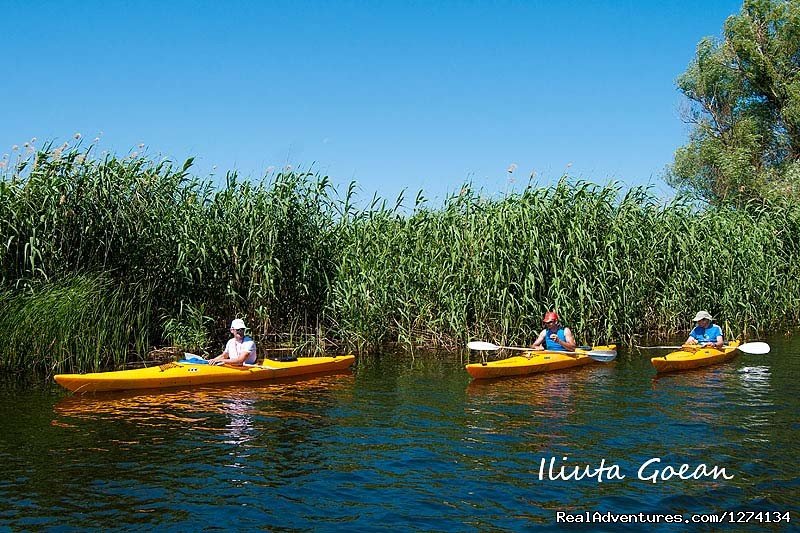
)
(693, 357)
(532, 362)
(181, 374)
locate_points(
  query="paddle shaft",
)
(754, 348)
(603, 356)
(246, 365)
(522, 349)
(545, 350)
(698, 345)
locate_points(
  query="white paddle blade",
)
(480, 345)
(757, 348)
(604, 356)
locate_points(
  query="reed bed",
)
(614, 266)
(301, 263)
(80, 322)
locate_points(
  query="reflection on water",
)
(756, 404)
(755, 380)
(407, 443)
(201, 408)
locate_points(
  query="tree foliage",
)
(744, 104)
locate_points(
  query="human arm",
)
(538, 343)
(719, 342)
(234, 354)
(219, 359)
(249, 351)
(568, 343)
(235, 359)
(692, 339)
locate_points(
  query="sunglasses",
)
(549, 323)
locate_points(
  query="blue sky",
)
(393, 95)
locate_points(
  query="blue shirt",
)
(552, 345)
(708, 334)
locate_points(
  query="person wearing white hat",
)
(705, 333)
(239, 350)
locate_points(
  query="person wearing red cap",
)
(554, 336)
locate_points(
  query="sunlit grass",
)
(81, 322)
(303, 265)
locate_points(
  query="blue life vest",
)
(708, 334)
(552, 345)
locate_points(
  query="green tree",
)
(744, 104)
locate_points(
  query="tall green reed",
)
(260, 251)
(615, 266)
(81, 322)
(305, 265)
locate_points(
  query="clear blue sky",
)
(391, 94)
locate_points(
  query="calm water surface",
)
(403, 443)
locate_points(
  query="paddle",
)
(753, 348)
(198, 360)
(489, 347)
(604, 356)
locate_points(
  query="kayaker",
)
(239, 350)
(554, 336)
(705, 333)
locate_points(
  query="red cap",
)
(550, 316)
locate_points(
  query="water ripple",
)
(408, 444)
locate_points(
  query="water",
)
(407, 444)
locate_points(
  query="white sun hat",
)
(701, 315)
(238, 324)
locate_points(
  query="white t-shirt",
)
(235, 349)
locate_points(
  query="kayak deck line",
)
(178, 374)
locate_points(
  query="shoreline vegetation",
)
(104, 259)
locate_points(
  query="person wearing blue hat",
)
(239, 350)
